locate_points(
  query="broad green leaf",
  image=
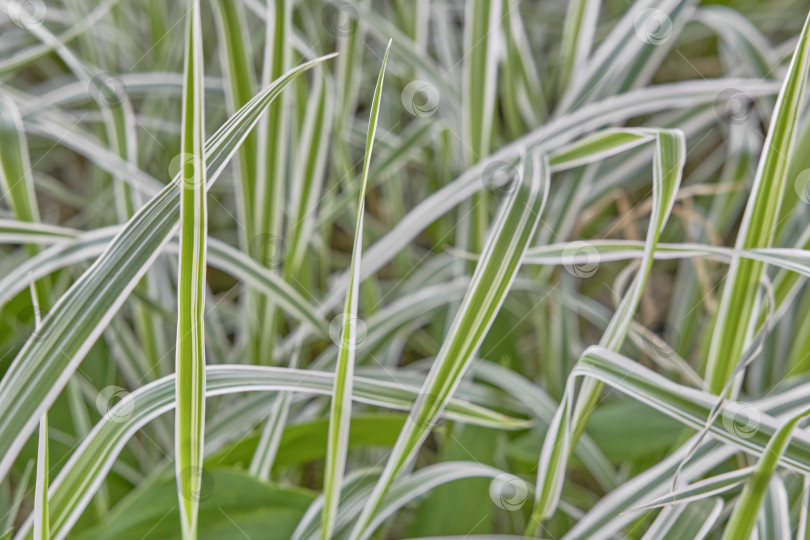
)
(300, 443)
(232, 504)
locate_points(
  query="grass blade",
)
(578, 33)
(190, 358)
(744, 517)
(340, 412)
(269, 196)
(480, 73)
(41, 514)
(16, 178)
(736, 316)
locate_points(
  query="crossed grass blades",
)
(404, 269)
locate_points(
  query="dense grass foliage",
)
(357, 269)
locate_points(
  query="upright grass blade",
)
(270, 196)
(42, 368)
(744, 517)
(16, 178)
(17, 186)
(308, 180)
(41, 515)
(481, 33)
(341, 408)
(523, 101)
(512, 230)
(577, 40)
(13, 506)
(350, 43)
(736, 316)
(17, 182)
(190, 353)
(236, 59)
